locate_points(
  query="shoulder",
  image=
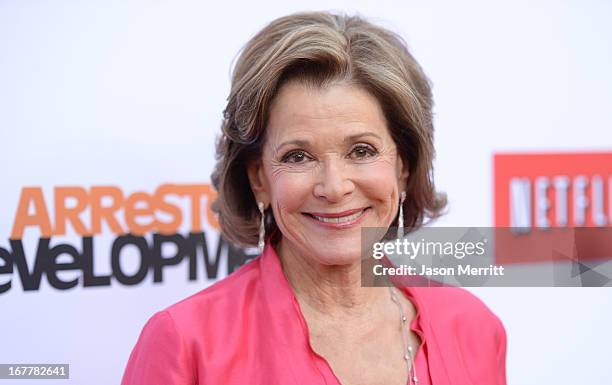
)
(170, 344)
(218, 299)
(209, 308)
(463, 324)
(159, 356)
(462, 313)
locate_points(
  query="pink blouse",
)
(248, 329)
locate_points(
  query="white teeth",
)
(339, 219)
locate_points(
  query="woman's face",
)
(329, 167)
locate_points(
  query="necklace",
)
(409, 353)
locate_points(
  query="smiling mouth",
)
(335, 219)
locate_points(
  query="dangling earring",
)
(400, 219)
(262, 228)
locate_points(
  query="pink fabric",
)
(248, 329)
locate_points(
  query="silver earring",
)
(400, 219)
(262, 228)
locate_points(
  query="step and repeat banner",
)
(109, 112)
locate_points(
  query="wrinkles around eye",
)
(278, 167)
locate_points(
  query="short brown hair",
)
(319, 48)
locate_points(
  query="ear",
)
(258, 182)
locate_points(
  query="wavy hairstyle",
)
(318, 49)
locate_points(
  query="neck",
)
(329, 289)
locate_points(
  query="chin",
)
(341, 253)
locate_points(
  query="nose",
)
(333, 183)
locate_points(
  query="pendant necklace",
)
(409, 352)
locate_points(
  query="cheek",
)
(379, 181)
(290, 191)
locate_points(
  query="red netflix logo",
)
(553, 190)
(553, 206)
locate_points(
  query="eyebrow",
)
(350, 138)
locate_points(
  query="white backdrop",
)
(130, 94)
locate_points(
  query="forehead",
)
(341, 109)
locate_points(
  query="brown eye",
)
(295, 157)
(362, 152)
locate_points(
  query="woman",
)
(328, 129)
